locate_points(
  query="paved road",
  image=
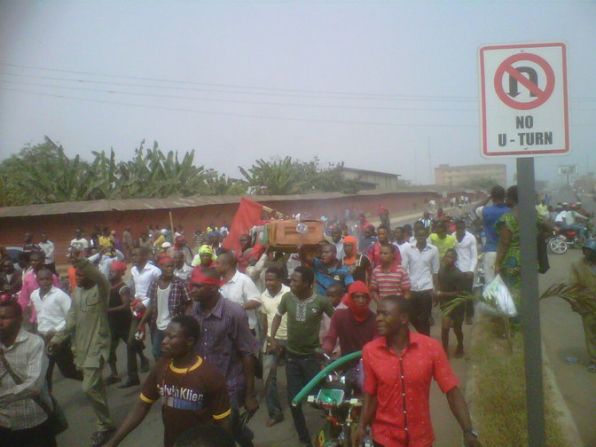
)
(564, 341)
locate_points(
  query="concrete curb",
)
(568, 426)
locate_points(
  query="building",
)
(470, 175)
(366, 179)
(60, 220)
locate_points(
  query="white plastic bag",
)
(497, 299)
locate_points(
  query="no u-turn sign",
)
(524, 100)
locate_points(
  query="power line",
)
(246, 115)
(237, 101)
(247, 87)
(242, 89)
(239, 115)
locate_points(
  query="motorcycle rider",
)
(567, 220)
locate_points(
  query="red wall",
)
(60, 228)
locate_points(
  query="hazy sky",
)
(379, 85)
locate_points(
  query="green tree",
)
(291, 176)
(43, 174)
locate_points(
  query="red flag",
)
(247, 216)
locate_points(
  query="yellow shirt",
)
(444, 244)
(105, 241)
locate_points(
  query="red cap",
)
(198, 277)
(118, 266)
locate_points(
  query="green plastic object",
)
(330, 396)
(324, 372)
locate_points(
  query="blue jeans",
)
(299, 371)
(156, 339)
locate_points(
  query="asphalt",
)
(563, 337)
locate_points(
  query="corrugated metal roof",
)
(175, 202)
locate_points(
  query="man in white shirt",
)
(466, 247)
(47, 247)
(238, 287)
(567, 219)
(337, 240)
(271, 297)
(421, 261)
(104, 258)
(181, 269)
(52, 305)
(79, 242)
(143, 275)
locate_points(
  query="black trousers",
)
(469, 285)
(299, 371)
(39, 436)
(133, 348)
(422, 305)
(64, 358)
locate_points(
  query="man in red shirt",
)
(374, 252)
(389, 278)
(398, 368)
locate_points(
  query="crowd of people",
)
(218, 321)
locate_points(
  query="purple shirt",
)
(225, 340)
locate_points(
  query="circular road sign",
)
(541, 95)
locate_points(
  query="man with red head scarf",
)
(355, 325)
(358, 264)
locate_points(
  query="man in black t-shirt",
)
(452, 283)
(192, 391)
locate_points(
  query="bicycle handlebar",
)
(298, 398)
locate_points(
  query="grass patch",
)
(498, 390)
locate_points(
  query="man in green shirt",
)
(87, 324)
(305, 310)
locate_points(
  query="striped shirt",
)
(27, 360)
(393, 282)
(178, 298)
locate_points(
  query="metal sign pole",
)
(530, 309)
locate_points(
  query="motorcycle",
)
(564, 238)
(338, 398)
